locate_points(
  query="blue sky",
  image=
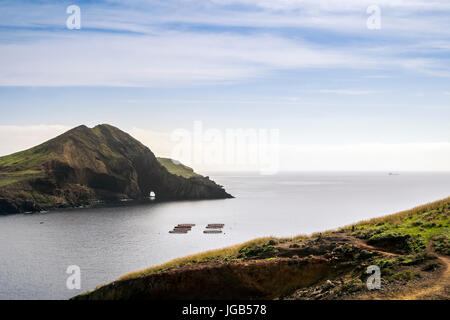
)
(311, 69)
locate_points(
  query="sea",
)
(38, 251)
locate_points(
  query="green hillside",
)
(177, 168)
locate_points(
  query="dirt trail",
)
(363, 244)
(325, 244)
(435, 288)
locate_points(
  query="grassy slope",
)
(419, 225)
(21, 166)
(23, 160)
(25, 164)
(177, 168)
(7, 178)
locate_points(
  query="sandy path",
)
(436, 289)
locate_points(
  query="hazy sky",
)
(342, 97)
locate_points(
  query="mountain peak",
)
(85, 165)
(80, 128)
(86, 129)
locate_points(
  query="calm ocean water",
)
(35, 250)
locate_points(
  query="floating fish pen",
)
(212, 231)
(178, 231)
(182, 228)
(215, 226)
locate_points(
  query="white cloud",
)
(414, 156)
(333, 5)
(301, 157)
(368, 157)
(143, 51)
(159, 142)
(350, 92)
(171, 59)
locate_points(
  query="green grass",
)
(177, 168)
(23, 160)
(404, 275)
(7, 178)
(44, 200)
(353, 285)
(442, 244)
(21, 166)
(415, 227)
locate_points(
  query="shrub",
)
(404, 275)
(353, 285)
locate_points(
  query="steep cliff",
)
(86, 166)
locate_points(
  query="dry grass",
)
(399, 217)
(298, 238)
(212, 255)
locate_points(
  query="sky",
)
(333, 93)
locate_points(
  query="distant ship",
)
(394, 174)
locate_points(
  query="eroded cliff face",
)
(227, 281)
(86, 166)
